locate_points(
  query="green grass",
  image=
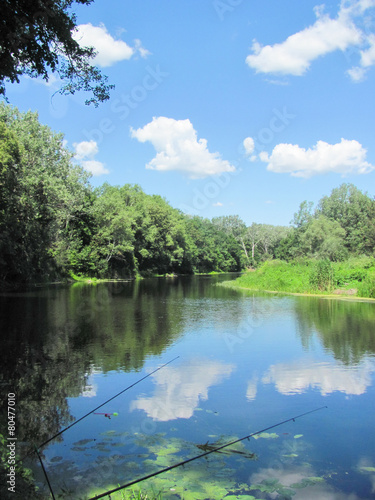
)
(300, 277)
(276, 276)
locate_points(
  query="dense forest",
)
(54, 225)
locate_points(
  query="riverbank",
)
(353, 279)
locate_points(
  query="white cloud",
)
(345, 157)
(298, 377)
(178, 148)
(368, 56)
(217, 204)
(179, 390)
(51, 82)
(249, 145)
(85, 149)
(356, 73)
(142, 51)
(295, 55)
(357, 7)
(109, 51)
(85, 153)
(96, 168)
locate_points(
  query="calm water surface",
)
(246, 362)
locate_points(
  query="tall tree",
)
(234, 225)
(353, 210)
(36, 38)
(304, 214)
(324, 238)
(43, 191)
(253, 236)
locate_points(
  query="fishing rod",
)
(45, 472)
(97, 408)
(179, 464)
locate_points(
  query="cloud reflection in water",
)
(179, 390)
(298, 377)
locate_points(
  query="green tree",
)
(10, 166)
(253, 237)
(213, 249)
(235, 226)
(324, 238)
(287, 247)
(354, 211)
(112, 244)
(270, 236)
(36, 38)
(41, 190)
(161, 243)
(263, 239)
(304, 215)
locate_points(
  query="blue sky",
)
(224, 106)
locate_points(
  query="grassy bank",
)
(354, 277)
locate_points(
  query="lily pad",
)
(108, 433)
(267, 485)
(168, 450)
(82, 442)
(307, 481)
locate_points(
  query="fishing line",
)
(97, 408)
(45, 472)
(136, 481)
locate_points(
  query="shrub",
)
(353, 270)
(367, 287)
(322, 276)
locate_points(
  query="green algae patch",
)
(367, 469)
(266, 435)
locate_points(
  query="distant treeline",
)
(54, 224)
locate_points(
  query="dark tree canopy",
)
(36, 39)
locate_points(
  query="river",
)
(245, 362)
